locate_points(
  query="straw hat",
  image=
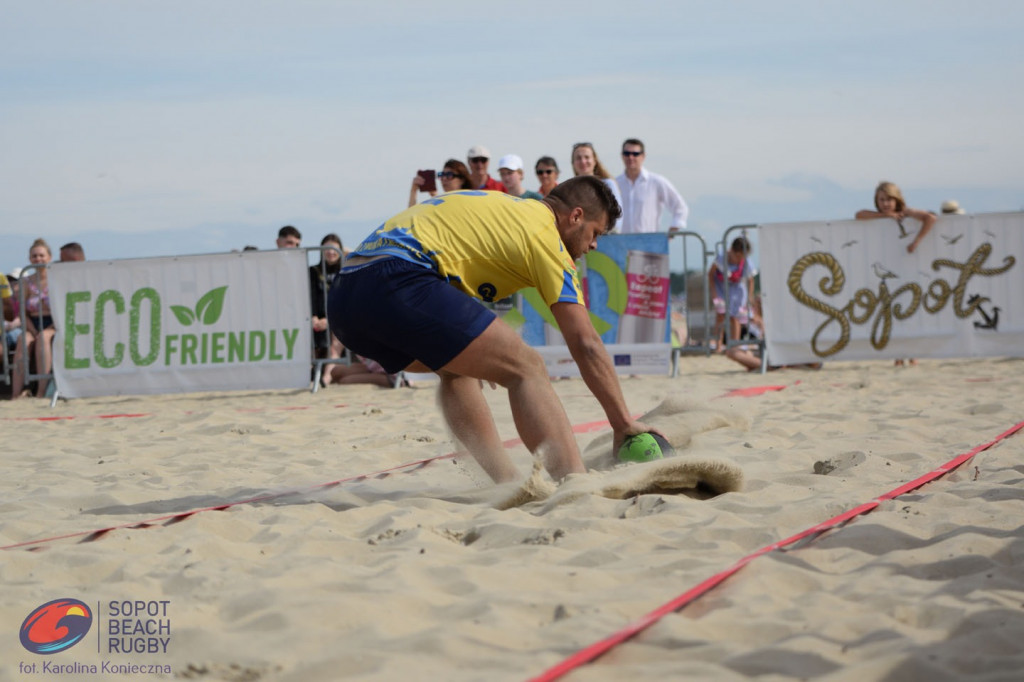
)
(952, 207)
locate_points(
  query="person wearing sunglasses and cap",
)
(478, 157)
(409, 298)
(646, 194)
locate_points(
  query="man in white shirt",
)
(645, 194)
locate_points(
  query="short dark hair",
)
(590, 193)
(547, 161)
(74, 248)
(461, 172)
(635, 141)
(740, 245)
(289, 231)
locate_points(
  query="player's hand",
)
(632, 429)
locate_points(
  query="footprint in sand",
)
(841, 462)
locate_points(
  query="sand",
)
(421, 575)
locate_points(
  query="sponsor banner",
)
(626, 287)
(631, 358)
(849, 290)
(179, 324)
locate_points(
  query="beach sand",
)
(418, 575)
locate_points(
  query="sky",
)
(165, 128)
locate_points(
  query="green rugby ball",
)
(644, 447)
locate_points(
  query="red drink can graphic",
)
(645, 319)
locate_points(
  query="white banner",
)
(849, 290)
(188, 323)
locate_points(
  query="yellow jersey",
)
(488, 244)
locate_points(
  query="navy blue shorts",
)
(396, 312)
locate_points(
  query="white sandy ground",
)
(418, 576)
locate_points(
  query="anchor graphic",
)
(991, 321)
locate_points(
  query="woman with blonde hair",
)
(889, 203)
(585, 162)
(37, 338)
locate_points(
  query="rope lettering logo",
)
(55, 626)
(881, 308)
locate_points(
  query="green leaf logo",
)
(208, 308)
(211, 305)
(184, 315)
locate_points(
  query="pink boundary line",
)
(168, 519)
(588, 654)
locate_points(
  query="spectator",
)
(37, 335)
(951, 207)
(734, 265)
(453, 176)
(72, 252)
(478, 157)
(289, 237)
(321, 276)
(547, 174)
(11, 311)
(585, 162)
(646, 194)
(889, 203)
(362, 371)
(7, 297)
(412, 303)
(510, 167)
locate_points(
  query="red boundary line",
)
(597, 649)
(130, 415)
(168, 519)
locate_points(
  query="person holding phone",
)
(453, 176)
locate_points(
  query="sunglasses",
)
(582, 144)
(625, 153)
(478, 159)
(545, 171)
(445, 174)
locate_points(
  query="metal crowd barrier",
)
(730, 342)
(689, 347)
(325, 283)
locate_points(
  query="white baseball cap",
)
(511, 162)
(478, 150)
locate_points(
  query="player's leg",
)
(500, 355)
(469, 418)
